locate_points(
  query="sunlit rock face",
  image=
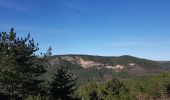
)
(87, 63)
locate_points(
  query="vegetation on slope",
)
(142, 67)
(24, 75)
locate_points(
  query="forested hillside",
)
(123, 67)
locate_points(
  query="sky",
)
(139, 28)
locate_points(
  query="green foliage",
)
(145, 87)
(115, 87)
(20, 67)
(153, 86)
(112, 89)
(84, 75)
(63, 84)
(141, 67)
(88, 91)
(22, 75)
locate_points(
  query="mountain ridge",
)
(109, 60)
(102, 68)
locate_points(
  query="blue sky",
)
(99, 27)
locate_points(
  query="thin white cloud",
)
(11, 4)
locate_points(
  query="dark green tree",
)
(114, 89)
(89, 91)
(63, 84)
(20, 67)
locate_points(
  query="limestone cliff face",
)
(80, 61)
(77, 60)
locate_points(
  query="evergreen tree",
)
(114, 89)
(20, 67)
(63, 84)
(89, 91)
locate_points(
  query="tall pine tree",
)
(63, 84)
(20, 67)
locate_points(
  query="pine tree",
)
(89, 91)
(63, 84)
(9, 76)
(20, 67)
(115, 89)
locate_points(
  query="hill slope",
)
(101, 68)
